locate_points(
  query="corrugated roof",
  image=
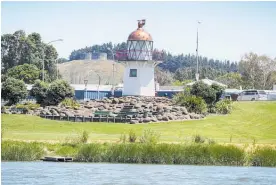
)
(171, 88)
(208, 82)
(92, 87)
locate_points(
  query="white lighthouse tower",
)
(139, 66)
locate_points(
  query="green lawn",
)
(249, 121)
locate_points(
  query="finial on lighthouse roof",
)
(141, 23)
(140, 33)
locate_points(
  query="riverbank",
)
(186, 154)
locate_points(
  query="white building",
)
(139, 66)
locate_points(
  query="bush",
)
(201, 89)
(28, 106)
(132, 136)
(194, 104)
(84, 137)
(198, 139)
(70, 102)
(58, 91)
(13, 90)
(218, 90)
(224, 106)
(149, 137)
(39, 91)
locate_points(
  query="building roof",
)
(92, 87)
(171, 88)
(208, 82)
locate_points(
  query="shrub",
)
(58, 91)
(13, 90)
(218, 90)
(194, 104)
(84, 137)
(70, 102)
(28, 106)
(201, 89)
(39, 91)
(198, 139)
(149, 136)
(132, 136)
(224, 106)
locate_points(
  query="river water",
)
(50, 173)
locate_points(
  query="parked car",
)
(252, 95)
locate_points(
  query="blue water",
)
(50, 173)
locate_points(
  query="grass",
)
(249, 122)
(149, 153)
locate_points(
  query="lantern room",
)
(139, 44)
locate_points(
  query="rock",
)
(165, 118)
(146, 120)
(159, 118)
(133, 121)
(88, 106)
(115, 101)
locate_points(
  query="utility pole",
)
(197, 74)
(113, 71)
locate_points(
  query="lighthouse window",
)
(133, 73)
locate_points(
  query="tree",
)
(232, 80)
(39, 91)
(26, 72)
(250, 71)
(62, 60)
(58, 91)
(163, 77)
(19, 48)
(13, 90)
(201, 89)
(256, 71)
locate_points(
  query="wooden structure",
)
(58, 159)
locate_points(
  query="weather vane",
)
(141, 23)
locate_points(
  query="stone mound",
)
(148, 109)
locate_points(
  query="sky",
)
(228, 29)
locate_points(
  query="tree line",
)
(252, 71)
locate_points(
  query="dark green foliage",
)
(39, 91)
(194, 104)
(13, 90)
(58, 91)
(19, 48)
(26, 72)
(224, 106)
(20, 151)
(201, 89)
(218, 90)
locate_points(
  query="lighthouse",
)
(139, 65)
